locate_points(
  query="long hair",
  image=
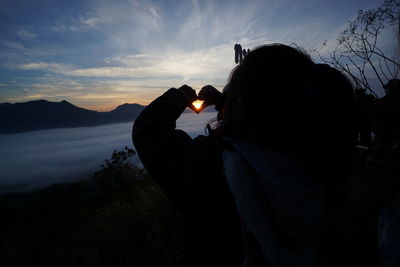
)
(279, 98)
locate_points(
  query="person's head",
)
(278, 97)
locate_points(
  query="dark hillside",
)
(42, 114)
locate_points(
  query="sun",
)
(198, 104)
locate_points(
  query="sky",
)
(100, 54)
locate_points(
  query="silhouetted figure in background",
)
(365, 104)
(238, 53)
(255, 190)
(388, 115)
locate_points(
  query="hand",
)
(210, 95)
(191, 96)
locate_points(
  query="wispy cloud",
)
(51, 67)
(79, 24)
(25, 34)
(208, 64)
(20, 48)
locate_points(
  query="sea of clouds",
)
(32, 160)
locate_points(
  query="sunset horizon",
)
(100, 54)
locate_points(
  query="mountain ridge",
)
(43, 114)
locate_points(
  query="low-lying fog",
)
(35, 159)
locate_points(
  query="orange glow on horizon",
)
(198, 104)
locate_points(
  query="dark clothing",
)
(388, 120)
(190, 172)
(281, 206)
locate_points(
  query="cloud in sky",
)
(35, 159)
(209, 63)
(25, 35)
(130, 51)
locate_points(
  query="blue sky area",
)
(100, 54)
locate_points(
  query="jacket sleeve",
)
(164, 150)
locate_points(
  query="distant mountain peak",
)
(124, 105)
(66, 102)
(127, 106)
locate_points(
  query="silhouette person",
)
(254, 191)
(238, 53)
(388, 118)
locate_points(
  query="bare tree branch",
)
(382, 71)
(358, 53)
(381, 54)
